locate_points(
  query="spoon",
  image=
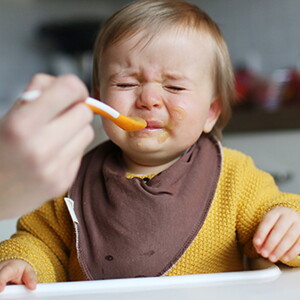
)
(102, 109)
(126, 123)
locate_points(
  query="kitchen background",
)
(264, 43)
(263, 39)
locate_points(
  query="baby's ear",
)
(213, 115)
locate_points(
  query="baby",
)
(169, 199)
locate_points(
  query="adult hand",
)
(42, 143)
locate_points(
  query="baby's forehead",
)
(143, 37)
(169, 49)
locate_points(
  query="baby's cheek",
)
(178, 114)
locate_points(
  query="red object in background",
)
(245, 80)
(267, 93)
(291, 91)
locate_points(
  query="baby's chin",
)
(155, 136)
(148, 145)
(149, 162)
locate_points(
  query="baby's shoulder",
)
(240, 167)
(238, 164)
(232, 157)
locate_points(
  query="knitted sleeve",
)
(258, 194)
(43, 239)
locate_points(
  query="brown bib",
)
(130, 228)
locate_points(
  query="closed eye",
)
(126, 85)
(175, 88)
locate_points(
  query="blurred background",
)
(56, 36)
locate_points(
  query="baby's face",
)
(167, 82)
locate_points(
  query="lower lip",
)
(151, 129)
(146, 132)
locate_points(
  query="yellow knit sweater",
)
(46, 237)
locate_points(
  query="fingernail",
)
(264, 253)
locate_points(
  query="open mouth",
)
(154, 125)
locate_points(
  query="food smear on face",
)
(139, 144)
(179, 113)
(162, 137)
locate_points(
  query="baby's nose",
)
(150, 97)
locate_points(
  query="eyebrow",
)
(175, 75)
(130, 74)
(172, 75)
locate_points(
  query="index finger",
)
(39, 82)
(264, 228)
(58, 95)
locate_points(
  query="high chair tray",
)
(140, 287)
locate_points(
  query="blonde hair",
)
(152, 16)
